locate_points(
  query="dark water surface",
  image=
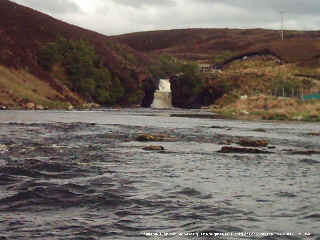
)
(82, 175)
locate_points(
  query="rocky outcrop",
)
(183, 95)
(264, 54)
(202, 91)
(150, 86)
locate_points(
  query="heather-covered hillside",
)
(242, 61)
(206, 44)
(24, 32)
(53, 63)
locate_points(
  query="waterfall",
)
(162, 97)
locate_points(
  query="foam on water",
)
(162, 97)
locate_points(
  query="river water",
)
(83, 175)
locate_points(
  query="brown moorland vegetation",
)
(254, 62)
(204, 44)
(264, 107)
(128, 62)
(24, 31)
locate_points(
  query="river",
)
(83, 175)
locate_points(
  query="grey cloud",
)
(52, 6)
(309, 7)
(289, 6)
(255, 13)
(143, 15)
(143, 3)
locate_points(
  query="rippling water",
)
(82, 175)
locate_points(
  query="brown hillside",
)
(23, 31)
(204, 44)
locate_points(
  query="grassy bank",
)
(261, 87)
(264, 107)
(19, 87)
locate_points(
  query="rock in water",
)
(154, 148)
(253, 143)
(242, 150)
(150, 138)
(145, 138)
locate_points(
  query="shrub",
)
(135, 97)
(84, 68)
(166, 66)
(192, 78)
(48, 56)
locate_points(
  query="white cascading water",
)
(162, 97)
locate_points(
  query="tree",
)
(192, 78)
(85, 69)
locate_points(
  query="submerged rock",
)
(309, 161)
(314, 134)
(154, 148)
(253, 143)
(153, 138)
(302, 152)
(226, 142)
(242, 150)
(259, 130)
(217, 127)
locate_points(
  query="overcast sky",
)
(112, 17)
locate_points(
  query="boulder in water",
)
(314, 134)
(154, 138)
(253, 143)
(302, 152)
(242, 150)
(154, 148)
(146, 138)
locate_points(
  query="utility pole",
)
(282, 24)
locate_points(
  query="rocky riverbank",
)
(35, 106)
